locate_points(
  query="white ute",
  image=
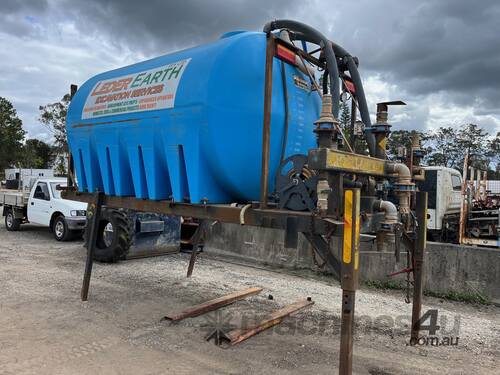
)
(43, 205)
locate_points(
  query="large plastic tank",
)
(188, 125)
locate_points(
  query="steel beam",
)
(266, 129)
(270, 218)
(347, 162)
(238, 335)
(213, 304)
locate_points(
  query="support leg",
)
(198, 240)
(192, 259)
(349, 277)
(93, 214)
(418, 267)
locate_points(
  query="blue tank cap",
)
(231, 33)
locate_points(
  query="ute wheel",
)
(114, 236)
(60, 229)
(11, 223)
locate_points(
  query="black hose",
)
(363, 107)
(348, 183)
(356, 79)
(325, 82)
(285, 95)
(315, 37)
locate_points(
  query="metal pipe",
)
(389, 209)
(362, 104)
(463, 203)
(404, 186)
(315, 37)
(266, 128)
(385, 236)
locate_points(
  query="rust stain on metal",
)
(213, 304)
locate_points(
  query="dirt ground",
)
(46, 329)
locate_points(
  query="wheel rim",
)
(107, 235)
(59, 229)
(10, 220)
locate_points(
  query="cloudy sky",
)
(440, 56)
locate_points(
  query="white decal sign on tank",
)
(147, 90)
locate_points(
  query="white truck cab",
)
(43, 205)
(443, 186)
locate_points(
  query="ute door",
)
(39, 206)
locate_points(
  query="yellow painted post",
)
(349, 276)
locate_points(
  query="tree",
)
(11, 134)
(473, 140)
(357, 143)
(403, 139)
(53, 116)
(493, 154)
(37, 154)
(444, 151)
(450, 145)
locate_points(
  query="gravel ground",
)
(46, 329)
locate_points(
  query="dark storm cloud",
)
(429, 53)
(153, 26)
(16, 16)
(424, 47)
(434, 46)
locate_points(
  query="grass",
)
(472, 297)
(468, 297)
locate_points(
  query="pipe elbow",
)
(401, 170)
(389, 209)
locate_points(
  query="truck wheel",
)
(11, 223)
(114, 236)
(60, 229)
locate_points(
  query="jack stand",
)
(93, 215)
(349, 277)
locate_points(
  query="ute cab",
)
(44, 206)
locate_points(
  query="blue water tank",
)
(188, 125)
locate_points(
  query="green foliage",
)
(452, 295)
(53, 116)
(11, 135)
(447, 146)
(37, 154)
(357, 143)
(461, 296)
(403, 138)
(493, 154)
(450, 145)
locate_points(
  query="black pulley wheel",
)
(296, 184)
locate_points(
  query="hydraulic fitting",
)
(324, 191)
(327, 125)
(381, 129)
